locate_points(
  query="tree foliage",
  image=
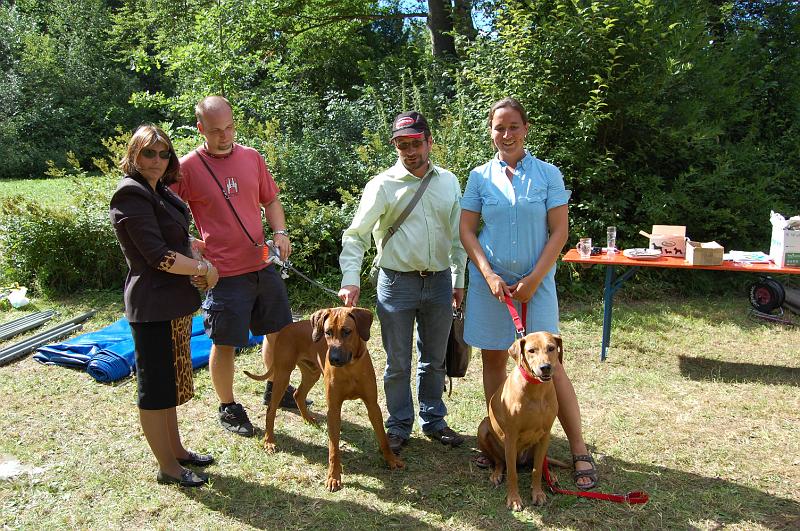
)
(655, 111)
(59, 91)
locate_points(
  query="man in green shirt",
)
(421, 276)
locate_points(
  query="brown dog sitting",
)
(521, 414)
(334, 341)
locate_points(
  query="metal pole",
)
(26, 346)
(23, 324)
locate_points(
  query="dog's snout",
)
(339, 357)
(546, 368)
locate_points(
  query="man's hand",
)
(198, 248)
(283, 244)
(349, 295)
(458, 297)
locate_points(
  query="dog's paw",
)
(333, 484)
(270, 447)
(538, 497)
(395, 463)
(514, 502)
(496, 477)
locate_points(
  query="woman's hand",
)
(497, 286)
(207, 281)
(212, 276)
(524, 289)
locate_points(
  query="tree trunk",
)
(462, 19)
(440, 23)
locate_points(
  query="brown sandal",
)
(482, 461)
(590, 473)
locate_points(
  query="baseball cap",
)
(411, 124)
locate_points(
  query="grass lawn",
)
(696, 405)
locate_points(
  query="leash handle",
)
(519, 324)
(635, 497)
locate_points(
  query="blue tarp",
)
(108, 354)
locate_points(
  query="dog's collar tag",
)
(528, 376)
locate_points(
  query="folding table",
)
(614, 282)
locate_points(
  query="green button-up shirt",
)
(428, 239)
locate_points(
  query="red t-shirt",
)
(244, 175)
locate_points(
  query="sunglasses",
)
(404, 145)
(151, 154)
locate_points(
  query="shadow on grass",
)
(728, 371)
(267, 507)
(443, 483)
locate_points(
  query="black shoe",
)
(188, 478)
(196, 459)
(446, 436)
(396, 442)
(287, 401)
(234, 419)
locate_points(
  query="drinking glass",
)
(611, 240)
(584, 248)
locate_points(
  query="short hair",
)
(508, 102)
(147, 135)
(208, 103)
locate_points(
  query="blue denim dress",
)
(513, 236)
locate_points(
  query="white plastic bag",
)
(17, 297)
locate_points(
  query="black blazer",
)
(149, 224)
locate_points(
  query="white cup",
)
(584, 248)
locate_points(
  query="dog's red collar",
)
(528, 376)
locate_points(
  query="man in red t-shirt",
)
(226, 185)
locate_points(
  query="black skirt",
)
(163, 362)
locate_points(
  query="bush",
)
(59, 251)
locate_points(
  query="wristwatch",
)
(285, 232)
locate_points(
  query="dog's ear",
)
(516, 349)
(318, 323)
(560, 347)
(363, 319)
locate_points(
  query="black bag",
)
(458, 352)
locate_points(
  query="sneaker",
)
(396, 442)
(234, 419)
(287, 401)
(446, 436)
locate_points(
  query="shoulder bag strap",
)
(404, 214)
(227, 198)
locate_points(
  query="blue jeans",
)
(402, 299)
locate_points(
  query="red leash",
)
(519, 324)
(633, 497)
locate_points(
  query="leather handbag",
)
(458, 352)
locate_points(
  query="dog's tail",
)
(260, 377)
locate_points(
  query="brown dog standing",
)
(521, 414)
(333, 341)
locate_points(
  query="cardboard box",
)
(669, 239)
(704, 253)
(784, 247)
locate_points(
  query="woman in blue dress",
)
(523, 203)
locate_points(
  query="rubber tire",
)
(767, 295)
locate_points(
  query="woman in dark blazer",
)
(152, 226)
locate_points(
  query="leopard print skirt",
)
(163, 362)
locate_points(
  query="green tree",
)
(58, 89)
